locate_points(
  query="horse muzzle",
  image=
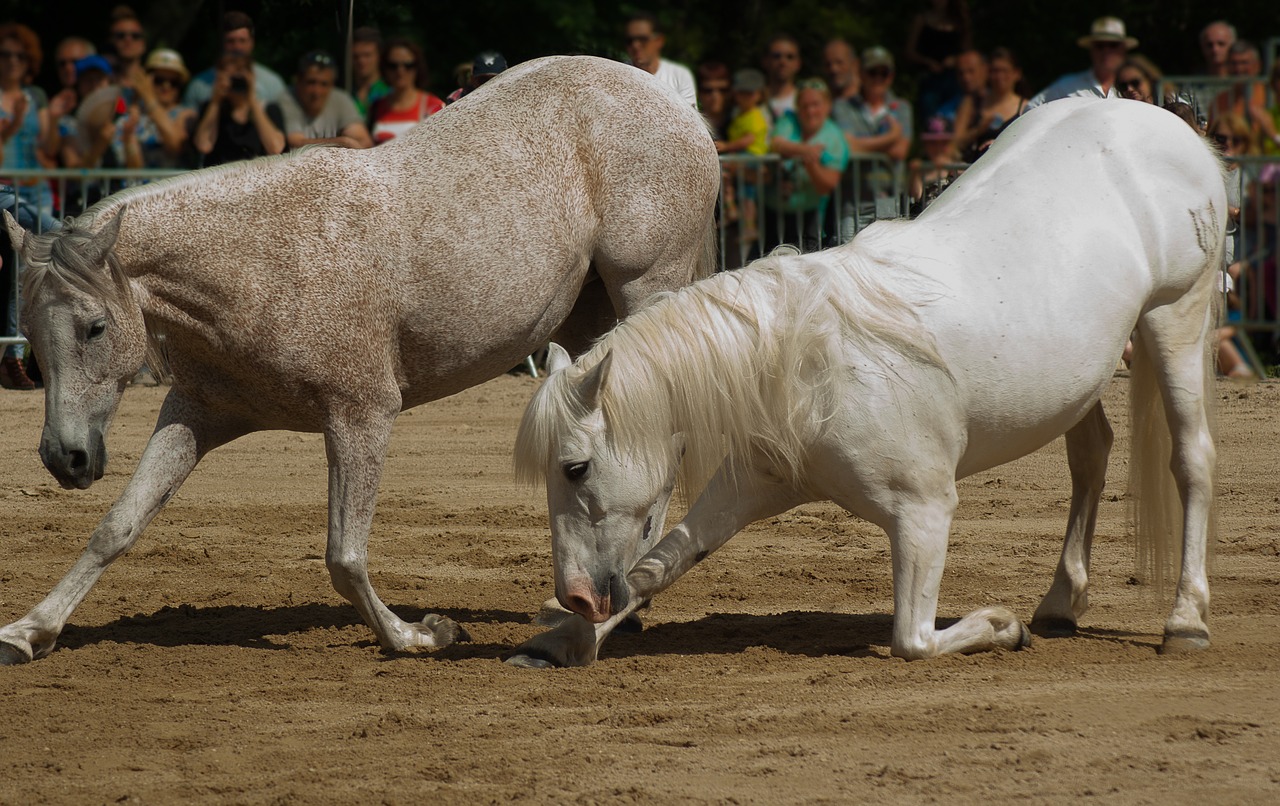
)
(74, 466)
(596, 600)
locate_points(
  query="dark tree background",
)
(1043, 33)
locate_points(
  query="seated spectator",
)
(161, 137)
(237, 39)
(316, 112)
(487, 65)
(366, 69)
(1108, 44)
(977, 125)
(235, 124)
(815, 155)
(1137, 78)
(408, 103)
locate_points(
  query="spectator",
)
(237, 39)
(781, 66)
(366, 56)
(28, 135)
(644, 40)
(81, 138)
(1247, 97)
(748, 133)
(1232, 135)
(840, 64)
(928, 177)
(1002, 103)
(317, 112)
(484, 67)
(128, 45)
(1269, 119)
(1137, 78)
(1216, 40)
(936, 37)
(815, 155)
(713, 98)
(972, 71)
(1108, 44)
(161, 137)
(875, 123)
(235, 123)
(408, 103)
(69, 51)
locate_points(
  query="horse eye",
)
(97, 329)
(576, 470)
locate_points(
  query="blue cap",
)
(94, 62)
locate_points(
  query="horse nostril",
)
(78, 460)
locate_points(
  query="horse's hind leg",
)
(357, 449)
(183, 434)
(918, 535)
(1088, 447)
(1183, 370)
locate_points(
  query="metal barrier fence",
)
(759, 209)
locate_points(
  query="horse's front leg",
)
(918, 536)
(183, 434)
(1088, 447)
(356, 452)
(723, 509)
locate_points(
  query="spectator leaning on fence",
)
(316, 112)
(815, 155)
(1108, 43)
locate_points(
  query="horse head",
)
(607, 503)
(87, 328)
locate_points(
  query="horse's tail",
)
(1155, 503)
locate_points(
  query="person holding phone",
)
(235, 124)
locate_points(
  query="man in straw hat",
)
(1108, 44)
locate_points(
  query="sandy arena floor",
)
(215, 664)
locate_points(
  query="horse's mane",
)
(746, 360)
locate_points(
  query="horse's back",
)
(1043, 256)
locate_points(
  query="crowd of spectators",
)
(137, 106)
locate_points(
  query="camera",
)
(239, 84)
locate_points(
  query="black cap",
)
(488, 63)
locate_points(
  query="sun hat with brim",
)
(1107, 29)
(171, 60)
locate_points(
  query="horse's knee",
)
(114, 536)
(346, 573)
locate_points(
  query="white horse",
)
(878, 373)
(329, 290)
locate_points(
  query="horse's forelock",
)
(554, 408)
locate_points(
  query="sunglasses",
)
(165, 81)
(390, 66)
(13, 54)
(126, 35)
(1125, 86)
(642, 39)
(714, 90)
(1224, 140)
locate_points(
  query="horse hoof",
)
(533, 659)
(1182, 643)
(443, 631)
(1054, 627)
(1024, 640)
(11, 655)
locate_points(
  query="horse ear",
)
(557, 358)
(593, 382)
(104, 240)
(16, 233)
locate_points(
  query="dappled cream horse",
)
(329, 290)
(878, 373)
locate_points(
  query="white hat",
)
(1107, 29)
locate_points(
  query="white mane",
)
(744, 360)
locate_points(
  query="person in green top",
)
(367, 83)
(815, 155)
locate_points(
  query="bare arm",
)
(272, 138)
